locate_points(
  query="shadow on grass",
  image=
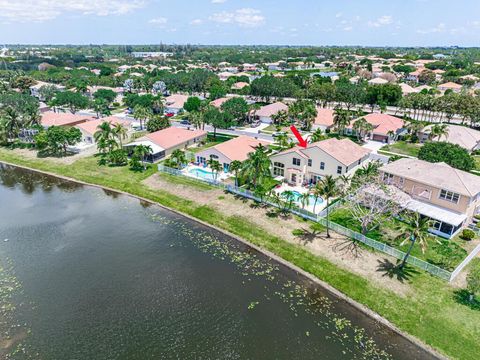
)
(395, 271)
(463, 297)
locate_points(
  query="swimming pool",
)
(201, 173)
(311, 199)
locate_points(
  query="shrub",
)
(477, 217)
(467, 234)
(452, 154)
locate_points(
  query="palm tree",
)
(142, 113)
(328, 189)
(415, 229)
(257, 166)
(142, 151)
(235, 167)
(317, 135)
(341, 119)
(105, 138)
(304, 199)
(282, 140)
(437, 131)
(215, 166)
(178, 158)
(280, 118)
(317, 194)
(120, 132)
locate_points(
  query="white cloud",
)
(218, 1)
(437, 29)
(348, 28)
(158, 21)
(196, 22)
(338, 15)
(381, 21)
(246, 17)
(43, 10)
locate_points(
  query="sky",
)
(242, 22)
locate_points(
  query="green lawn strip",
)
(403, 148)
(428, 312)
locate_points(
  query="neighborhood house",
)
(450, 197)
(265, 113)
(304, 166)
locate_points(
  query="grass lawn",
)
(269, 129)
(429, 311)
(477, 162)
(388, 233)
(403, 148)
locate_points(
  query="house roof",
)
(219, 102)
(91, 126)
(324, 117)
(407, 89)
(383, 123)
(460, 135)
(172, 136)
(51, 118)
(238, 148)
(450, 85)
(438, 175)
(378, 81)
(176, 101)
(271, 109)
(240, 85)
(344, 151)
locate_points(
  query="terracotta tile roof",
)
(219, 102)
(176, 101)
(383, 123)
(461, 135)
(271, 109)
(91, 126)
(51, 118)
(239, 147)
(450, 85)
(324, 117)
(438, 175)
(172, 136)
(344, 150)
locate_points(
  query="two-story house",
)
(450, 197)
(301, 166)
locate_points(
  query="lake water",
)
(89, 274)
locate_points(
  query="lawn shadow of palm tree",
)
(347, 247)
(463, 297)
(395, 271)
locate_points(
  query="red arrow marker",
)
(303, 143)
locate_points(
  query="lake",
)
(90, 274)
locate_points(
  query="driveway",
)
(373, 145)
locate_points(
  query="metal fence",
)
(320, 218)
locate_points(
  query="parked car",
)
(185, 122)
(278, 133)
(255, 124)
(170, 114)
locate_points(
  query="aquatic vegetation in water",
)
(298, 297)
(12, 332)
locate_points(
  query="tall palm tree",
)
(328, 189)
(257, 166)
(235, 167)
(142, 113)
(317, 135)
(105, 138)
(304, 199)
(341, 119)
(282, 140)
(215, 166)
(415, 229)
(437, 131)
(120, 132)
(178, 158)
(142, 151)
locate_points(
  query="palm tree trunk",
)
(328, 215)
(407, 255)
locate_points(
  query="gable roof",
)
(176, 101)
(271, 109)
(324, 117)
(238, 148)
(91, 126)
(219, 102)
(50, 118)
(461, 135)
(172, 136)
(344, 151)
(450, 85)
(438, 175)
(383, 123)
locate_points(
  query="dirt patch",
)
(337, 249)
(67, 160)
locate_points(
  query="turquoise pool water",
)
(311, 199)
(201, 173)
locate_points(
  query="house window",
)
(339, 169)
(278, 169)
(449, 196)
(401, 181)
(322, 166)
(213, 157)
(388, 178)
(296, 162)
(309, 162)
